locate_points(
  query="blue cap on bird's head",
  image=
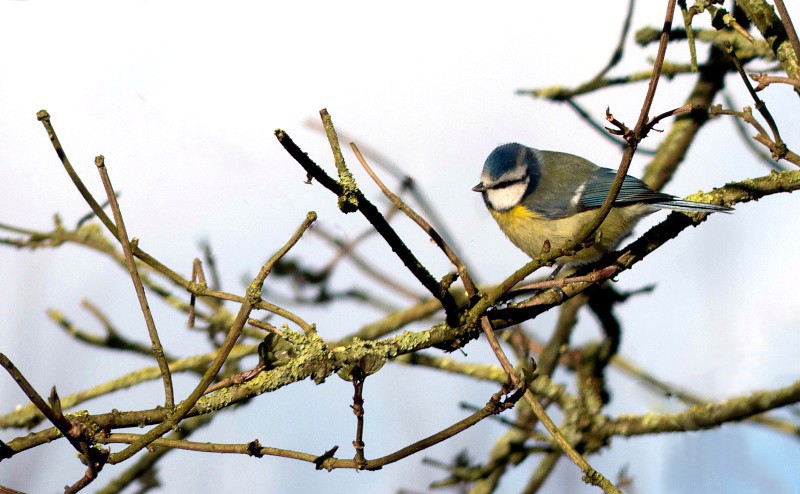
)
(508, 161)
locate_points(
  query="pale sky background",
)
(182, 99)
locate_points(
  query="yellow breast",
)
(528, 230)
(525, 228)
(515, 221)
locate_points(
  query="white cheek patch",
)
(506, 198)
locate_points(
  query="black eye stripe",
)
(507, 183)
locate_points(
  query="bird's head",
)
(510, 172)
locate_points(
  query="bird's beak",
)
(479, 188)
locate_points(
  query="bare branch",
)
(765, 80)
(122, 236)
(706, 415)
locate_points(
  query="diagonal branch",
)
(375, 218)
(638, 133)
(122, 236)
(590, 475)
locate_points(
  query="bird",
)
(543, 198)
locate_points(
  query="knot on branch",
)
(505, 399)
(779, 150)
(621, 129)
(254, 448)
(348, 199)
(592, 476)
(326, 459)
(446, 282)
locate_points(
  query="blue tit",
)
(537, 196)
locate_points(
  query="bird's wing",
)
(595, 190)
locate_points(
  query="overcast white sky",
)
(182, 99)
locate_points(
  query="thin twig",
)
(238, 378)
(788, 26)
(765, 80)
(746, 115)
(638, 133)
(593, 277)
(265, 326)
(198, 276)
(746, 138)
(783, 151)
(671, 113)
(111, 340)
(202, 291)
(88, 216)
(561, 93)
(602, 131)
(358, 411)
(122, 235)
(44, 117)
(727, 19)
(688, 15)
(36, 398)
(616, 56)
(211, 261)
(760, 105)
(591, 476)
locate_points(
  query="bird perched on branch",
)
(546, 196)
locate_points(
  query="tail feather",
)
(700, 207)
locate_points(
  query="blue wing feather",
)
(633, 190)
